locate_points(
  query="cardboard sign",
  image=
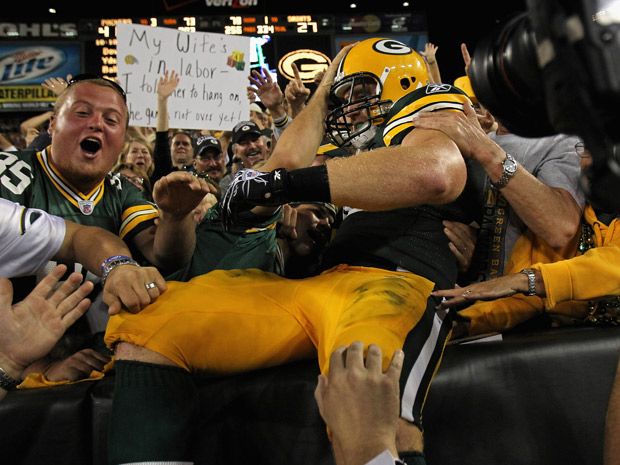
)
(213, 70)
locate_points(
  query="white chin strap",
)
(362, 140)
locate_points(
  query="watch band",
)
(509, 166)
(531, 280)
(8, 383)
(112, 262)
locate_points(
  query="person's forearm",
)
(161, 157)
(276, 110)
(5, 143)
(35, 121)
(549, 213)
(162, 114)
(11, 369)
(175, 240)
(519, 282)
(298, 144)
(280, 124)
(296, 109)
(90, 246)
(431, 171)
(433, 70)
(579, 277)
(363, 451)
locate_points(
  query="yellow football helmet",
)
(373, 75)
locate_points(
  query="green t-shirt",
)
(252, 245)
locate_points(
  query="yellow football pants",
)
(229, 321)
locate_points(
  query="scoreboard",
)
(274, 24)
(261, 25)
(90, 45)
(305, 31)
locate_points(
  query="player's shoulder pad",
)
(433, 97)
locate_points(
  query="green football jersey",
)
(30, 179)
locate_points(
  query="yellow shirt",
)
(571, 280)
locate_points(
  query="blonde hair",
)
(122, 158)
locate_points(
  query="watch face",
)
(510, 165)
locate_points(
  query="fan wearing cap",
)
(247, 147)
(209, 160)
(248, 143)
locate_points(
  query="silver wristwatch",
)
(509, 166)
(531, 280)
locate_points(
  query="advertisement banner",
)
(24, 66)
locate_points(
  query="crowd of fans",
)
(508, 214)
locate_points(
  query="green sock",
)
(412, 458)
(152, 413)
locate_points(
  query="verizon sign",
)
(231, 3)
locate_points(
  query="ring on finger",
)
(150, 285)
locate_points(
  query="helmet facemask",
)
(358, 109)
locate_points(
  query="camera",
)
(556, 69)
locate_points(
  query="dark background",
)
(449, 23)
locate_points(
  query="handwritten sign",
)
(213, 70)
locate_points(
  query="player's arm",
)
(298, 144)
(427, 168)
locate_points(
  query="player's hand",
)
(332, 69)
(250, 188)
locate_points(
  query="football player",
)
(379, 270)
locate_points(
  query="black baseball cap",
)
(244, 129)
(207, 142)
